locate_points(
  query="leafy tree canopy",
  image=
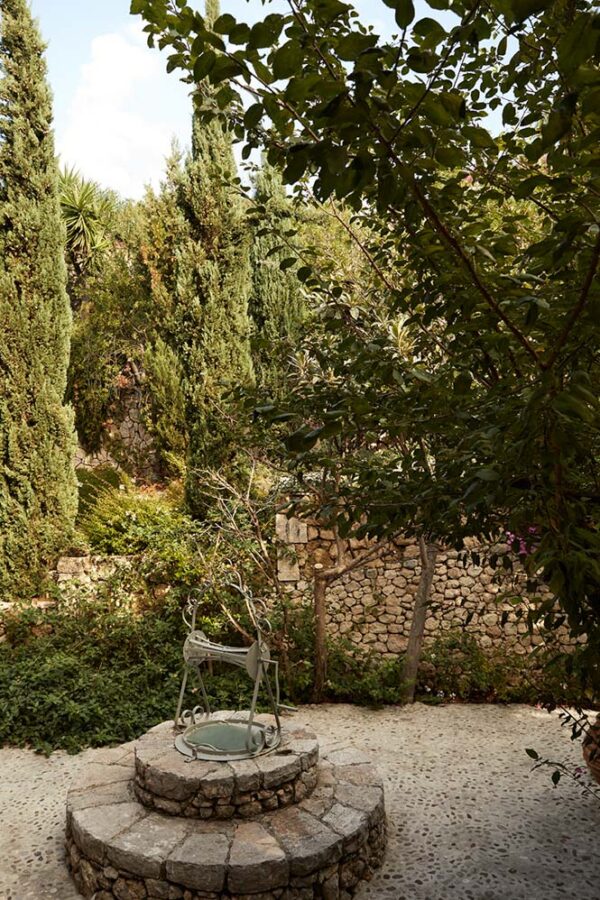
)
(467, 145)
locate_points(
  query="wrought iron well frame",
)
(255, 659)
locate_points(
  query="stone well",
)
(292, 825)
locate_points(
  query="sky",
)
(116, 109)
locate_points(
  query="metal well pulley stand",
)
(239, 736)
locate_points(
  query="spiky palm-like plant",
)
(89, 216)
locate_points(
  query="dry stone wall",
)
(372, 605)
(126, 443)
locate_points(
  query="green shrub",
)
(124, 522)
(456, 667)
(104, 674)
(362, 678)
(93, 482)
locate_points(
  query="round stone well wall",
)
(144, 823)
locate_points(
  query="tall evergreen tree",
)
(213, 288)
(276, 305)
(38, 495)
(166, 231)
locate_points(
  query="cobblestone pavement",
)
(467, 818)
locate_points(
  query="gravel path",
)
(468, 821)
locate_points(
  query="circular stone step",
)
(320, 848)
(169, 782)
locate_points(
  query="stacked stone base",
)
(168, 782)
(321, 846)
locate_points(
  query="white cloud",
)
(124, 114)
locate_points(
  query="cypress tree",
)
(213, 287)
(38, 494)
(276, 305)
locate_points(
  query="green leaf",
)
(578, 43)
(450, 156)
(304, 273)
(296, 442)
(462, 384)
(487, 474)
(283, 417)
(430, 30)
(224, 24)
(591, 103)
(421, 60)
(265, 34)
(573, 407)
(436, 112)
(523, 9)
(204, 64)
(479, 137)
(287, 60)
(352, 45)
(556, 776)
(287, 263)
(455, 103)
(253, 115)
(405, 12)
(240, 34)
(528, 185)
(532, 753)
(509, 115)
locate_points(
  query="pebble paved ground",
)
(468, 820)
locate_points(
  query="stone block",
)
(92, 828)
(71, 565)
(297, 531)
(276, 770)
(367, 798)
(352, 824)
(347, 756)
(100, 774)
(89, 878)
(104, 795)
(287, 568)
(169, 775)
(218, 783)
(143, 848)
(256, 860)
(250, 810)
(200, 862)
(308, 843)
(358, 774)
(127, 889)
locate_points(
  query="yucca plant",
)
(89, 214)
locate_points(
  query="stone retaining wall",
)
(372, 605)
(88, 571)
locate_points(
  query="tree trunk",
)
(319, 589)
(417, 628)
